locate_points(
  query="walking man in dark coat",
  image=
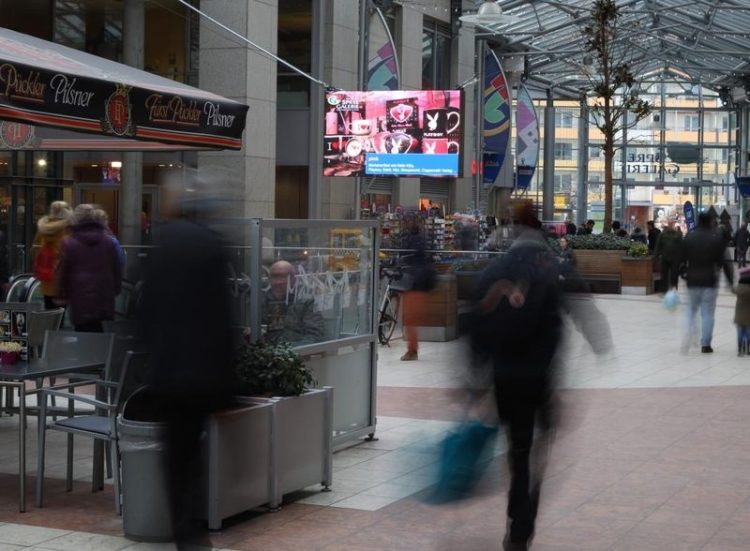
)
(741, 239)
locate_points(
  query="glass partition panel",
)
(643, 164)
(318, 282)
(718, 165)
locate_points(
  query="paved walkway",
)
(652, 453)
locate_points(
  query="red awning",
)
(46, 84)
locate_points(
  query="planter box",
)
(439, 320)
(269, 447)
(638, 275)
(598, 261)
(237, 455)
(301, 442)
(466, 282)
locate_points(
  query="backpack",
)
(44, 263)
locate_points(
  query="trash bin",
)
(145, 499)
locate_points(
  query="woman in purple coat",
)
(90, 271)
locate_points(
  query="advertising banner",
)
(46, 84)
(527, 139)
(382, 67)
(393, 133)
(496, 125)
(689, 215)
(743, 184)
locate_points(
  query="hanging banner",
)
(689, 215)
(527, 139)
(743, 184)
(382, 67)
(496, 113)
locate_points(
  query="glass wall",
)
(683, 150)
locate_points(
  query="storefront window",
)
(94, 27)
(436, 56)
(295, 46)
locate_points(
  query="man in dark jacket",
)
(741, 239)
(653, 235)
(668, 252)
(703, 253)
(185, 316)
(518, 326)
(89, 271)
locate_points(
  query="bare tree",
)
(611, 75)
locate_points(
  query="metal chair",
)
(33, 291)
(38, 324)
(17, 288)
(102, 425)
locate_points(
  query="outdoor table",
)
(16, 375)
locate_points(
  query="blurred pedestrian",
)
(703, 254)
(638, 236)
(518, 327)
(89, 271)
(653, 235)
(185, 313)
(742, 312)
(51, 230)
(741, 239)
(668, 252)
(422, 277)
(101, 215)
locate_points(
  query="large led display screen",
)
(393, 133)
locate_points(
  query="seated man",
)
(284, 316)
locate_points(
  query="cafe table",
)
(17, 375)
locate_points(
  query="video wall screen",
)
(393, 133)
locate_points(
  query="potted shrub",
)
(280, 441)
(598, 254)
(638, 270)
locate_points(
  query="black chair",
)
(100, 425)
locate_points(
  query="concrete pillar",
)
(237, 71)
(315, 169)
(548, 177)
(131, 187)
(340, 71)
(406, 191)
(583, 164)
(462, 69)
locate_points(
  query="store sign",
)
(648, 163)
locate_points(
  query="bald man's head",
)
(282, 273)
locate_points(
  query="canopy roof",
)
(46, 84)
(704, 41)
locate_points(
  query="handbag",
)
(464, 456)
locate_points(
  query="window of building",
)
(563, 182)
(563, 151)
(725, 122)
(690, 122)
(563, 119)
(436, 56)
(295, 46)
(595, 152)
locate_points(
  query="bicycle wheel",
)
(388, 318)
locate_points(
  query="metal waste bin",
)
(145, 498)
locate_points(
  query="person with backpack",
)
(51, 230)
(517, 328)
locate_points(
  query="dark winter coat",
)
(186, 315)
(741, 239)
(89, 273)
(669, 245)
(703, 253)
(742, 307)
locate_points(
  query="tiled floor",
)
(652, 452)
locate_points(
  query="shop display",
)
(393, 133)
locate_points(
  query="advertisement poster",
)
(689, 215)
(496, 124)
(527, 139)
(393, 133)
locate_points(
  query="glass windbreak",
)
(317, 283)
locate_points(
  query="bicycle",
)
(389, 304)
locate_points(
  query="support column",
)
(548, 175)
(582, 189)
(131, 187)
(623, 174)
(741, 152)
(315, 167)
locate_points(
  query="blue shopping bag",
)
(464, 456)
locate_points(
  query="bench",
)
(603, 282)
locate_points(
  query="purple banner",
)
(527, 139)
(496, 112)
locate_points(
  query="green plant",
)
(599, 241)
(272, 369)
(638, 249)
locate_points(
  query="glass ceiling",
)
(704, 41)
